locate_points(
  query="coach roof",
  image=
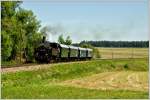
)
(89, 49)
(73, 47)
(82, 48)
(64, 46)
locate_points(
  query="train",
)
(47, 52)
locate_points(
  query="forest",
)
(136, 44)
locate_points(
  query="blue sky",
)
(93, 20)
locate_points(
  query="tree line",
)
(137, 44)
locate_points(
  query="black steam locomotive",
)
(48, 52)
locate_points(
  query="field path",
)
(126, 80)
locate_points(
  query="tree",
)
(68, 40)
(19, 31)
(8, 28)
(29, 34)
(61, 39)
(32, 43)
(6, 45)
(86, 45)
(8, 8)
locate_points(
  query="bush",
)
(126, 66)
(96, 53)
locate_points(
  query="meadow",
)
(112, 53)
(117, 78)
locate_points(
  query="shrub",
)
(96, 53)
(126, 66)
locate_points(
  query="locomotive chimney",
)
(44, 38)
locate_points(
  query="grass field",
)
(125, 78)
(109, 53)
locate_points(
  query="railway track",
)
(33, 66)
(23, 68)
(28, 67)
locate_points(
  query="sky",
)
(125, 20)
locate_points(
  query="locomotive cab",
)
(46, 52)
(43, 53)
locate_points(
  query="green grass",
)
(40, 83)
(57, 92)
(9, 63)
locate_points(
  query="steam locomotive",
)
(50, 51)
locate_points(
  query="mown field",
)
(124, 78)
(109, 53)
